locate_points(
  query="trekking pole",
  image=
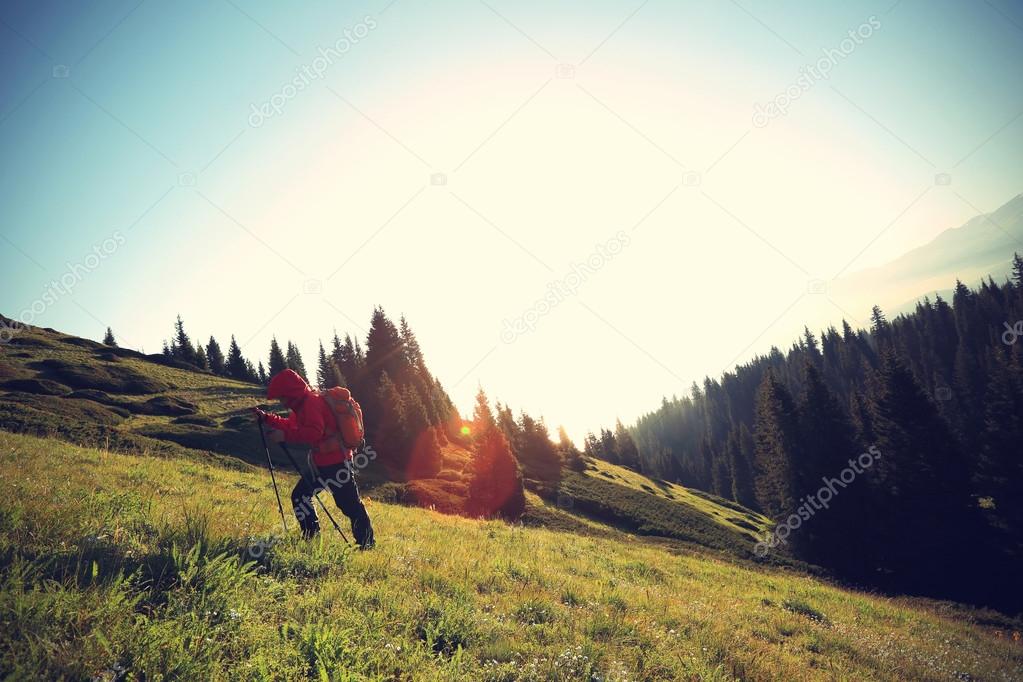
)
(316, 495)
(269, 462)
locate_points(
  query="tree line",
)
(409, 416)
(938, 393)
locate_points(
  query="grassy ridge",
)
(117, 563)
(186, 411)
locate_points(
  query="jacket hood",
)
(287, 384)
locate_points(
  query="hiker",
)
(313, 422)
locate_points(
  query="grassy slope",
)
(114, 561)
(600, 586)
(610, 493)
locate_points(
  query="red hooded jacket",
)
(311, 420)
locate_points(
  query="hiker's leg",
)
(347, 498)
(305, 512)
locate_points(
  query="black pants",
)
(340, 481)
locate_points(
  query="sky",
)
(580, 207)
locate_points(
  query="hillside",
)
(156, 549)
(124, 566)
(90, 394)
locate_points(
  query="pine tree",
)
(237, 366)
(482, 416)
(625, 447)
(384, 349)
(277, 363)
(215, 358)
(200, 357)
(568, 451)
(424, 455)
(185, 351)
(828, 447)
(537, 454)
(924, 493)
(390, 434)
(608, 446)
(108, 338)
(294, 361)
(495, 482)
(324, 370)
(262, 375)
(777, 448)
(413, 353)
(509, 427)
(741, 466)
(1000, 471)
(251, 374)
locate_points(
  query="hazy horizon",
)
(451, 162)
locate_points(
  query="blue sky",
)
(458, 157)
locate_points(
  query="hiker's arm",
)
(294, 432)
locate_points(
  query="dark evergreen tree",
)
(200, 357)
(327, 373)
(277, 361)
(832, 536)
(384, 349)
(215, 358)
(777, 449)
(390, 435)
(108, 338)
(741, 449)
(537, 455)
(294, 361)
(569, 453)
(237, 366)
(625, 448)
(182, 345)
(924, 495)
(495, 482)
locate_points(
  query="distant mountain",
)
(981, 247)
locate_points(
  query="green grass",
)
(151, 550)
(144, 566)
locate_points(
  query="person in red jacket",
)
(312, 422)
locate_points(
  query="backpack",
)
(348, 415)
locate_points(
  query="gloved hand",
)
(260, 414)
